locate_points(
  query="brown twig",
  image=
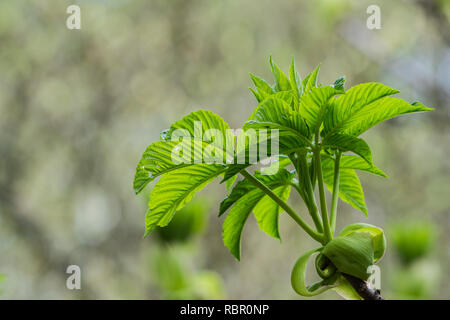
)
(363, 288)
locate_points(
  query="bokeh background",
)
(78, 108)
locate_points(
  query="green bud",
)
(351, 254)
(377, 234)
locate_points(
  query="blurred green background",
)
(78, 108)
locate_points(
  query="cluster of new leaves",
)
(308, 117)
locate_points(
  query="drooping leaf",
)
(175, 189)
(281, 178)
(356, 162)
(235, 221)
(345, 142)
(229, 184)
(240, 189)
(350, 189)
(266, 211)
(242, 200)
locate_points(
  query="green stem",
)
(334, 199)
(323, 201)
(314, 212)
(283, 205)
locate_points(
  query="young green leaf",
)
(285, 96)
(350, 189)
(314, 104)
(157, 158)
(266, 211)
(243, 199)
(377, 235)
(351, 254)
(258, 95)
(364, 106)
(345, 142)
(235, 221)
(281, 178)
(274, 113)
(379, 111)
(343, 108)
(356, 162)
(262, 85)
(296, 83)
(174, 190)
(281, 80)
(310, 80)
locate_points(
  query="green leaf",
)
(275, 165)
(198, 124)
(298, 277)
(266, 211)
(281, 178)
(364, 106)
(243, 199)
(379, 111)
(158, 159)
(314, 103)
(275, 113)
(350, 189)
(296, 82)
(285, 96)
(235, 221)
(262, 85)
(310, 80)
(240, 189)
(258, 95)
(344, 107)
(233, 170)
(356, 162)
(345, 142)
(351, 254)
(377, 235)
(175, 189)
(281, 80)
(229, 184)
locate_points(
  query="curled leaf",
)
(351, 254)
(377, 234)
(298, 276)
